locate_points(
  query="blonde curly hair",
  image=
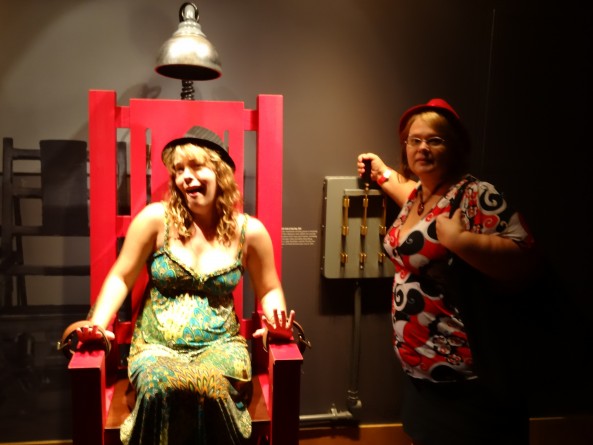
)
(228, 197)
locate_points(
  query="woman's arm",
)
(265, 281)
(500, 258)
(139, 242)
(396, 187)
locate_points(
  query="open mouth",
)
(194, 190)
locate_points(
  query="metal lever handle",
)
(366, 176)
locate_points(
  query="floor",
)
(575, 430)
(35, 392)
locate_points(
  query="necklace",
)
(421, 197)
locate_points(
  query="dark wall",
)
(539, 86)
(516, 73)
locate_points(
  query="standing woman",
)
(447, 399)
(188, 364)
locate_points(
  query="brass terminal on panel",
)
(345, 205)
(365, 205)
(382, 226)
(362, 257)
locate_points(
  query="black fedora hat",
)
(205, 138)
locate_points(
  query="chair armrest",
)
(285, 362)
(87, 371)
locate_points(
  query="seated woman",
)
(188, 364)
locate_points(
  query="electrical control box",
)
(355, 216)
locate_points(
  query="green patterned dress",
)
(189, 365)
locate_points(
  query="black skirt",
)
(463, 413)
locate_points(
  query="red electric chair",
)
(100, 387)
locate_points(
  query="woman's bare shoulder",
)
(254, 225)
(153, 215)
(255, 230)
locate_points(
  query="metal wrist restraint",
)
(298, 334)
(69, 344)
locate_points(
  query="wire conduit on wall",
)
(353, 401)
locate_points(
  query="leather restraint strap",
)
(299, 336)
(68, 344)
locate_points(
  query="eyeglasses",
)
(432, 142)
